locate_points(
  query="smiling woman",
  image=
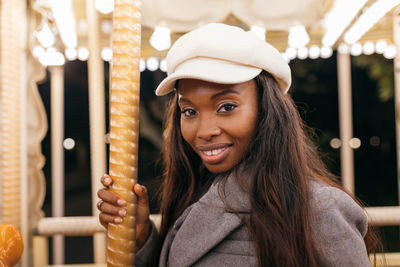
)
(208, 110)
(243, 185)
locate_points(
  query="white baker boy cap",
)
(222, 54)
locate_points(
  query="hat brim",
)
(210, 70)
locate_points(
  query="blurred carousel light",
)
(355, 143)
(302, 53)
(106, 26)
(106, 54)
(375, 141)
(104, 6)
(38, 51)
(163, 65)
(326, 52)
(83, 27)
(161, 38)
(380, 46)
(71, 54)
(314, 52)
(259, 31)
(83, 53)
(45, 36)
(291, 53)
(356, 49)
(69, 143)
(52, 58)
(142, 65)
(368, 48)
(343, 49)
(298, 36)
(152, 64)
(390, 52)
(335, 143)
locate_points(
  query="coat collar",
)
(209, 221)
(227, 194)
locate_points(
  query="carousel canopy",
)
(298, 28)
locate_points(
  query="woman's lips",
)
(214, 155)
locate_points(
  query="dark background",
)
(314, 90)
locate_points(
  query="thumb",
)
(142, 196)
(142, 211)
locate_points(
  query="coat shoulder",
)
(339, 225)
(328, 200)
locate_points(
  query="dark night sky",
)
(314, 90)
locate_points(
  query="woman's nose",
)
(207, 129)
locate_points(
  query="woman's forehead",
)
(191, 91)
(187, 85)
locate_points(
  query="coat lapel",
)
(208, 223)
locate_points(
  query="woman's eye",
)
(188, 112)
(227, 107)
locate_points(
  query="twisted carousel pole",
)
(124, 126)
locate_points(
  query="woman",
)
(243, 185)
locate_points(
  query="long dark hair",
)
(281, 159)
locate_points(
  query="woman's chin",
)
(217, 169)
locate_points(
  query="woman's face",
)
(218, 120)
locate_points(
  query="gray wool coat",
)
(208, 234)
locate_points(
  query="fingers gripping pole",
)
(124, 126)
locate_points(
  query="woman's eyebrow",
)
(225, 92)
(182, 99)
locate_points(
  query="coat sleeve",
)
(145, 254)
(339, 225)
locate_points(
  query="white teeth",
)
(213, 152)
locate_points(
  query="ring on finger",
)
(99, 204)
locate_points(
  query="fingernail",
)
(121, 202)
(122, 212)
(118, 220)
(141, 188)
(107, 180)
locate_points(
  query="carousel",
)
(37, 37)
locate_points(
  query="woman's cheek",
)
(187, 132)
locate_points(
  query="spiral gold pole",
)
(124, 126)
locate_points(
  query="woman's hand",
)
(112, 209)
